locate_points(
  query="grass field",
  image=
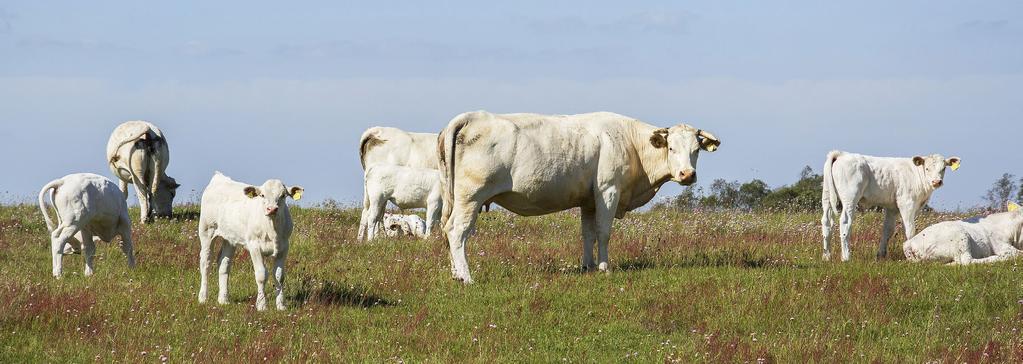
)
(703, 287)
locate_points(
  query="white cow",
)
(253, 218)
(899, 185)
(396, 147)
(406, 187)
(138, 154)
(88, 207)
(405, 225)
(975, 240)
(606, 164)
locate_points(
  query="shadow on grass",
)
(189, 215)
(329, 293)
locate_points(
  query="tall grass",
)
(707, 286)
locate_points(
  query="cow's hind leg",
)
(58, 238)
(462, 223)
(205, 249)
(88, 251)
(827, 220)
(845, 229)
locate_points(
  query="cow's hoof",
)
(826, 257)
(603, 267)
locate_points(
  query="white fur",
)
(260, 223)
(976, 240)
(88, 207)
(899, 185)
(606, 164)
(138, 154)
(407, 188)
(405, 225)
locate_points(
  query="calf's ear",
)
(660, 138)
(296, 192)
(918, 160)
(251, 191)
(1011, 206)
(953, 162)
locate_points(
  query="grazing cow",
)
(137, 153)
(253, 218)
(976, 240)
(406, 187)
(606, 164)
(88, 207)
(405, 225)
(898, 185)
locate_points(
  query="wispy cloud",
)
(985, 25)
(645, 22)
(73, 44)
(197, 48)
(5, 21)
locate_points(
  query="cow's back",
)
(393, 146)
(879, 179)
(93, 200)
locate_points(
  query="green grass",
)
(717, 287)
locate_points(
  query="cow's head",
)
(164, 196)
(683, 144)
(271, 195)
(934, 168)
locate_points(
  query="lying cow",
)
(89, 207)
(977, 240)
(406, 187)
(899, 185)
(138, 154)
(405, 225)
(252, 218)
(606, 164)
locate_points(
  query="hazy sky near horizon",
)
(263, 90)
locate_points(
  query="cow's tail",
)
(446, 153)
(131, 171)
(368, 137)
(829, 193)
(53, 185)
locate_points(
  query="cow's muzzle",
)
(271, 211)
(937, 183)
(687, 177)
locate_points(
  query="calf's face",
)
(683, 144)
(272, 194)
(934, 167)
(164, 197)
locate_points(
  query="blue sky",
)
(265, 89)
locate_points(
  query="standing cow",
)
(899, 185)
(395, 147)
(87, 206)
(137, 153)
(606, 164)
(255, 218)
(406, 187)
(985, 239)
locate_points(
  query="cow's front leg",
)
(278, 274)
(909, 221)
(886, 231)
(589, 233)
(259, 270)
(607, 206)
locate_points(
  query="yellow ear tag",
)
(1012, 207)
(298, 195)
(712, 147)
(955, 165)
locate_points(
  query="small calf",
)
(88, 206)
(406, 187)
(253, 218)
(404, 225)
(976, 240)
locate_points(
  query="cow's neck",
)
(653, 161)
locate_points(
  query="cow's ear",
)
(953, 163)
(1011, 206)
(660, 138)
(251, 191)
(708, 141)
(296, 192)
(918, 160)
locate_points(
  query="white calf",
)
(976, 240)
(253, 218)
(406, 187)
(404, 225)
(87, 206)
(899, 185)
